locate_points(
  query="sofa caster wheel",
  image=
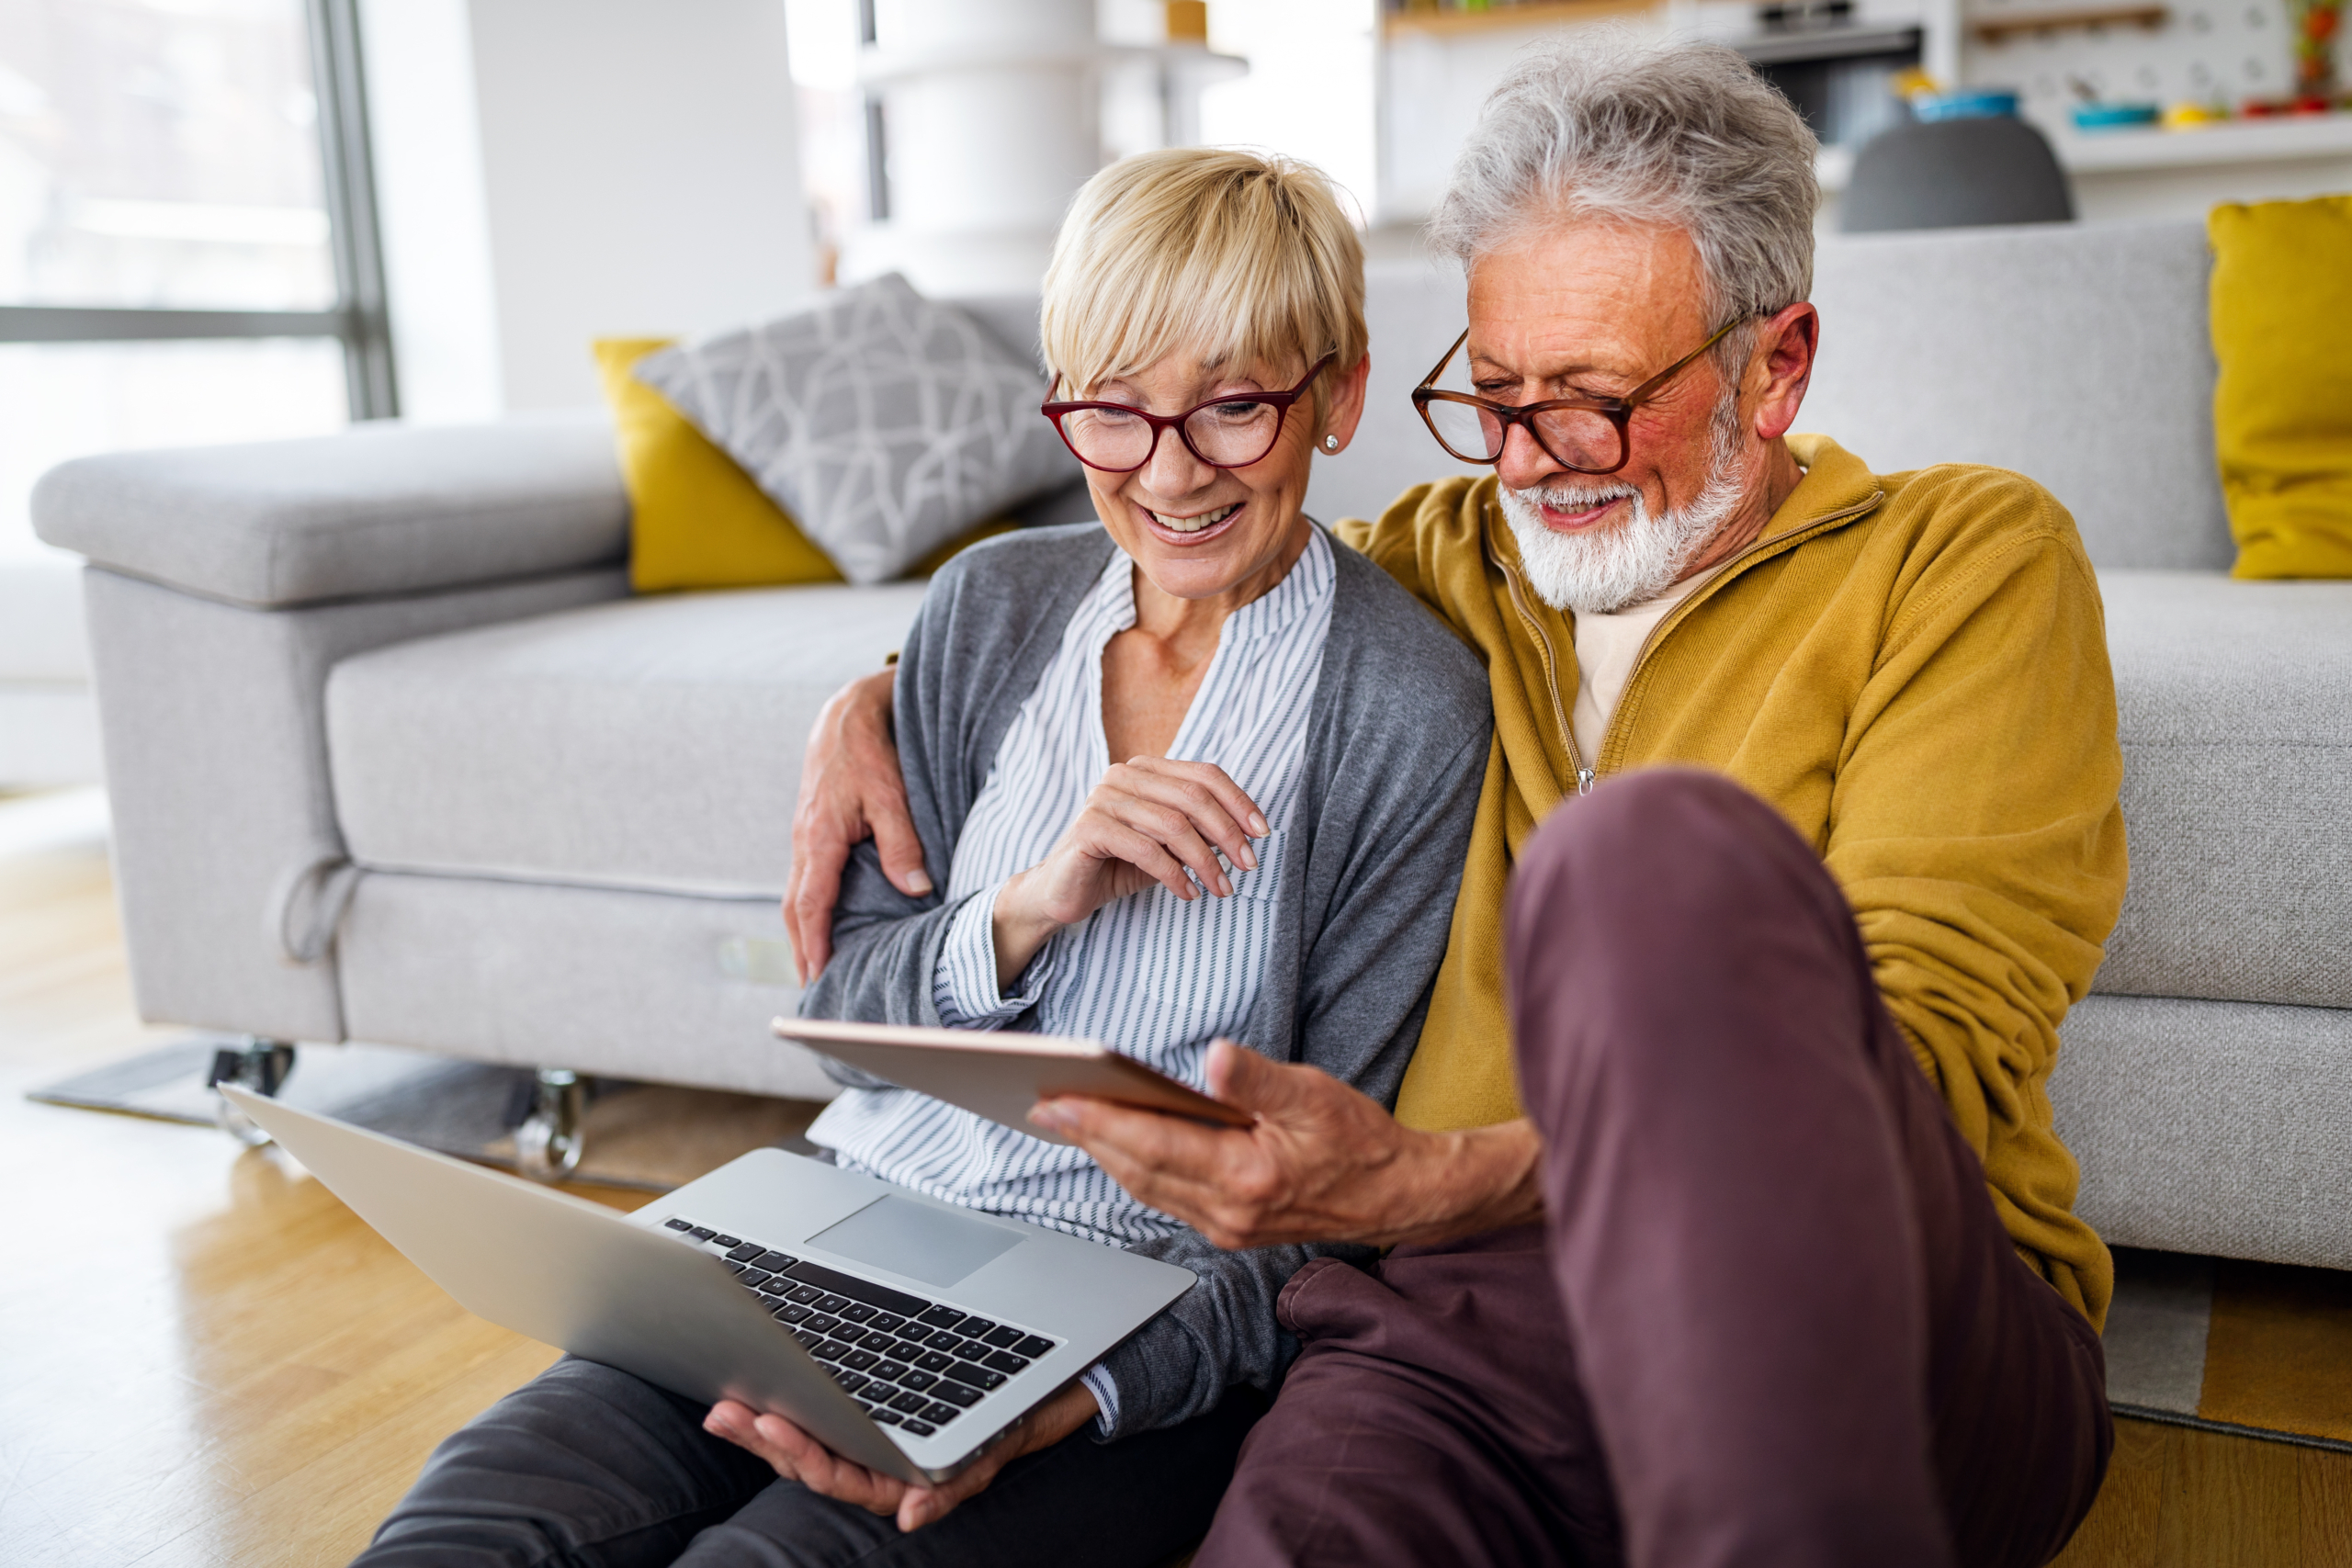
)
(547, 1144)
(260, 1065)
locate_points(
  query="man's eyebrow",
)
(1482, 368)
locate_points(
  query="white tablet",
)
(1000, 1075)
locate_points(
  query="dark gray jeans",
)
(592, 1468)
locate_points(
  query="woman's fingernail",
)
(1248, 858)
(1258, 824)
(1049, 1113)
(918, 882)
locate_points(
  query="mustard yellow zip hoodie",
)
(1912, 669)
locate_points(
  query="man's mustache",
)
(1576, 498)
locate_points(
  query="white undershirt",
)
(1607, 647)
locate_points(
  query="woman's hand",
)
(1149, 820)
(796, 1456)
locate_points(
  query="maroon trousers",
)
(1769, 1317)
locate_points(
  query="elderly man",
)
(1764, 1252)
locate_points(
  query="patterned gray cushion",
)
(885, 423)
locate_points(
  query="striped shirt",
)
(1153, 975)
(1157, 977)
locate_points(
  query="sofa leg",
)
(547, 1144)
(258, 1065)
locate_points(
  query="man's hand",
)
(796, 1456)
(1323, 1162)
(850, 787)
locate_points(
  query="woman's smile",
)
(1194, 528)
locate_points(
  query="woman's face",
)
(1199, 532)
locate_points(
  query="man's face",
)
(1591, 309)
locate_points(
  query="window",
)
(188, 246)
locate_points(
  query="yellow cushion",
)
(2282, 411)
(698, 521)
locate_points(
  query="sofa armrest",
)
(214, 721)
(381, 509)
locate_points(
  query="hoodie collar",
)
(1836, 485)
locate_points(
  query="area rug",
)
(2259, 1349)
(651, 1138)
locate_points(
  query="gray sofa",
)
(396, 758)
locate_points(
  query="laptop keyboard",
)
(909, 1362)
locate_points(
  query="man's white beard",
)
(1602, 571)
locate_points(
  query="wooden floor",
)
(206, 1359)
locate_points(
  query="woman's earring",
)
(1330, 443)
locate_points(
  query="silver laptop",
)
(901, 1332)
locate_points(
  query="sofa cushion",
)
(2075, 352)
(2282, 411)
(2237, 716)
(632, 985)
(885, 424)
(696, 518)
(383, 508)
(2212, 1127)
(651, 743)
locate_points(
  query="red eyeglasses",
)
(1232, 432)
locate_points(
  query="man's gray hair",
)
(1603, 125)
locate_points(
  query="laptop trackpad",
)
(917, 1240)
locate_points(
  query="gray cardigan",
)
(1396, 754)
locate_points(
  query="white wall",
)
(1309, 90)
(426, 141)
(1432, 88)
(49, 720)
(2192, 191)
(556, 171)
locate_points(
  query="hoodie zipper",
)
(1551, 670)
(1761, 548)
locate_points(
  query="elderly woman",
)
(1192, 774)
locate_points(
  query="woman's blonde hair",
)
(1239, 259)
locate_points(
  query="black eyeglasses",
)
(1584, 435)
(1232, 432)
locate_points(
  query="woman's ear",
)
(1343, 409)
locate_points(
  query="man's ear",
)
(1782, 367)
(1345, 407)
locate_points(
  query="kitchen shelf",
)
(2284, 139)
(2121, 152)
(1993, 29)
